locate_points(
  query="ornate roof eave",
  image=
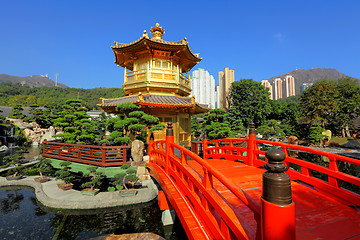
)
(182, 47)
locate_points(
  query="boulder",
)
(27, 132)
(137, 150)
(327, 135)
(48, 135)
(293, 140)
(130, 236)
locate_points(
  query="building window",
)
(165, 65)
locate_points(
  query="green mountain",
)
(312, 75)
(31, 81)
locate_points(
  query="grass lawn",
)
(341, 140)
(110, 172)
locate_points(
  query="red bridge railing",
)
(102, 156)
(248, 150)
(197, 190)
(207, 203)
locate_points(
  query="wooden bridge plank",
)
(347, 228)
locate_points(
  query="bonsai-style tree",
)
(16, 112)
(14, 160)
(129, 175)
(2, 122)
(315, 133)
(77, 126)
(216, 124)
(95, 178)
(130, 122)
(42, 117)
(64, 173)
(43, 166)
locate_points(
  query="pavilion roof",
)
(125, 53)
(154, 100)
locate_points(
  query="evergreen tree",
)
(216, 124)
(249, 101)
(319, 102)
(77, 126)
(16, 112)
(130, 123)
(349, 104)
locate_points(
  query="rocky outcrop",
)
(137, 150)
(37, 135)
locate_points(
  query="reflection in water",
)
(23, 218)
(32, 153)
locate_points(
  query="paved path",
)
(51, 196)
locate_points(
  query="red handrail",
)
(332, 186)
(193, 185)
(102, 156)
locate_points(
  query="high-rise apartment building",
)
(226, 78)
(267, 85)
(278, 93)
(289, 86)
(217, 96)
(203, 87)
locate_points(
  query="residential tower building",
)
(278, 93)
(289, 86)
(267, 85)
(203, 87)
(226, 78)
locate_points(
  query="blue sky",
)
(258, 39)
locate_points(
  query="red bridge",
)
(240, 191)
(229, 194)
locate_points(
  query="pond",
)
(22, 217)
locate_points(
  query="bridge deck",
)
(317, 216)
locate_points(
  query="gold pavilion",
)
(155, 80)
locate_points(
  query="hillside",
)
(13, 94)
(31, 81)
(312, 75)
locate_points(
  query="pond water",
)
(32, 153)
(22, 217)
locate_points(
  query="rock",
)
(131, 236)
(137, 150)
(352, 144)
(49, 135)
(27, 132)
(34, 125)
(327, 135)
(293, 140)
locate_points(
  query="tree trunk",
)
(343, 132)
(347, 131)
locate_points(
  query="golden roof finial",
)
(145, 34)
(157, 31)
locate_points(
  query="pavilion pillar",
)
(169, 141)
(277, 207)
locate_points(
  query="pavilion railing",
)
(102, 156)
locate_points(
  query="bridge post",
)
(44, 147)
(251, 145)
(205, 146)
(103, 155)
(169, 140)
(277, 207)
(150, 147)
